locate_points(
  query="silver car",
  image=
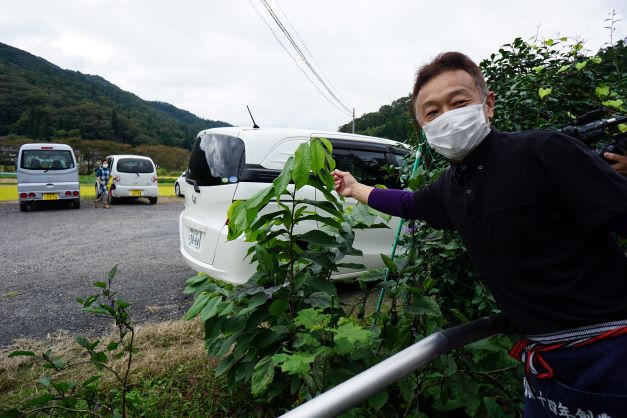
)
(47, 172)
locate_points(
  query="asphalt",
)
(52, 255)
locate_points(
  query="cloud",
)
(214, 57)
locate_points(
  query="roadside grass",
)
(171, 377)
(8, 192)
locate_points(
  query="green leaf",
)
(280, 183)
(542, 92)
(296, 363)
(101, 285)
(112, 346)
(263, 375)
(538, 69)
(99, 357)
(45, 381)
(602, 91)
(210, 309)
(581, 65)
(302, 166)
(596, 59)
(83, 342)
(423, 305)
(41, 400)
(563, 68)
(199, 303)
(312, 319)
(319, 300)
(113, 272)
(389, 263)
(348, 335)
(616, 104)
(122, 304)
(320, 238)
(21, 353)
(378, 400)
(318, 155)
(265, 259)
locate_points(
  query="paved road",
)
(51, 256)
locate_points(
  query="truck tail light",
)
(31, 195)
(75, 193)
(23, 195)
(68, 193)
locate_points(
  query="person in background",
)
(537, 211)
(103, 175)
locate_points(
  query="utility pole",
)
(353, 120)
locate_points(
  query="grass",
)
(172, 375)
(8, 192)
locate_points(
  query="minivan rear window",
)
(37, 159)
(217, 159)
(134, 165)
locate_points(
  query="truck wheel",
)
(153, 200)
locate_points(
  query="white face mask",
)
(105, 165)
(456, 133)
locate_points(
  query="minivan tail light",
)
(31, 194)
(23, 195)
(154, 179)
(68, 193)
(74, 193)
(47, 148)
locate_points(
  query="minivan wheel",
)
(177, 189)
(23, 206)
(153, 200)
(76, 204)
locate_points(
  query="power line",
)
(296, 61)
(289, 22)
(303, 57)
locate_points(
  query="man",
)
(535, 210)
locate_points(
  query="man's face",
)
(450, 90)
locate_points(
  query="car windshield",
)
(216, 160)
(45, 159)
(134, 165)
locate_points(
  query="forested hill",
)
(392, 121)
(42, 101)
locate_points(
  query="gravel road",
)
(52, 255)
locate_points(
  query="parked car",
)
(180, 184)
(136, 176)
(232, 163)
(47, 172)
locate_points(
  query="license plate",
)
(51, 196)
(193, 238)
(136, 192)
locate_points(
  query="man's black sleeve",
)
(593, 192)
(429, 208)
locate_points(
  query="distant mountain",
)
(42, 101)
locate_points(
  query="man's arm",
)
(404, 203)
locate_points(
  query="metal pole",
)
(353, 120)
(359, 388)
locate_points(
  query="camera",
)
(591, 129)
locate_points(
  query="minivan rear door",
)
(215, 167)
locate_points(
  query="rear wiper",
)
(195, 183)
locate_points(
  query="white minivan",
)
(47, 172)
(135, 176)
(228, 164)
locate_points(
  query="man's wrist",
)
(361, 192)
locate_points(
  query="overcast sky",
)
(214, 57)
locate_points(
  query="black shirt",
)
(533, 209)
